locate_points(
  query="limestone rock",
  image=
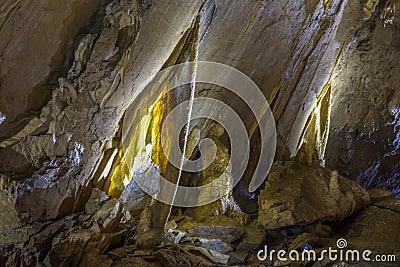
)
(224, 228)
(150, 239)
(363, 130)
(220, 234)
(376, 224)
(376, 229)
(211, 244)
(59, 145)
(298, 195)
(253, 238)
(68, 77)
(133, 197)
(377, 195)
(78, 245)
(47, 27)
(109, 215)
(390, 203)
(168, 255)
(41, 242)
(227, 234)
(224, 206)
(309, 238)
(94, 203)
(9, 219)
(369, 7)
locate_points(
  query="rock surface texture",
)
(299, 195)
(363, 143)
(71, 70)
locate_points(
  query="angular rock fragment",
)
(225, 233)
(109, 215)
(95, 201)
(298, 195)
(211, 244)
(377, 195)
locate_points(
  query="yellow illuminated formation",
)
(147, 132)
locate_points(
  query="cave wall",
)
(287, 49)
(65, 143)
(363, 139)
(35, 36)
(291, 50)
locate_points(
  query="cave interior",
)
(199, 133)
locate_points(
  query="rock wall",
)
(36, 42)
(61, 148)
(69, 71)
(329, 75)
(363, 138)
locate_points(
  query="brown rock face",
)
(376, 229)
(289, 50)
(64, 144)
(300, 195)
(34, 37)
(72, 71)
(363, 142)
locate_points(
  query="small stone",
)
(226, 232)
(95, 201)
(151, 239)
(212, 244)
(252, 239)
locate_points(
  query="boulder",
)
(299, 195)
